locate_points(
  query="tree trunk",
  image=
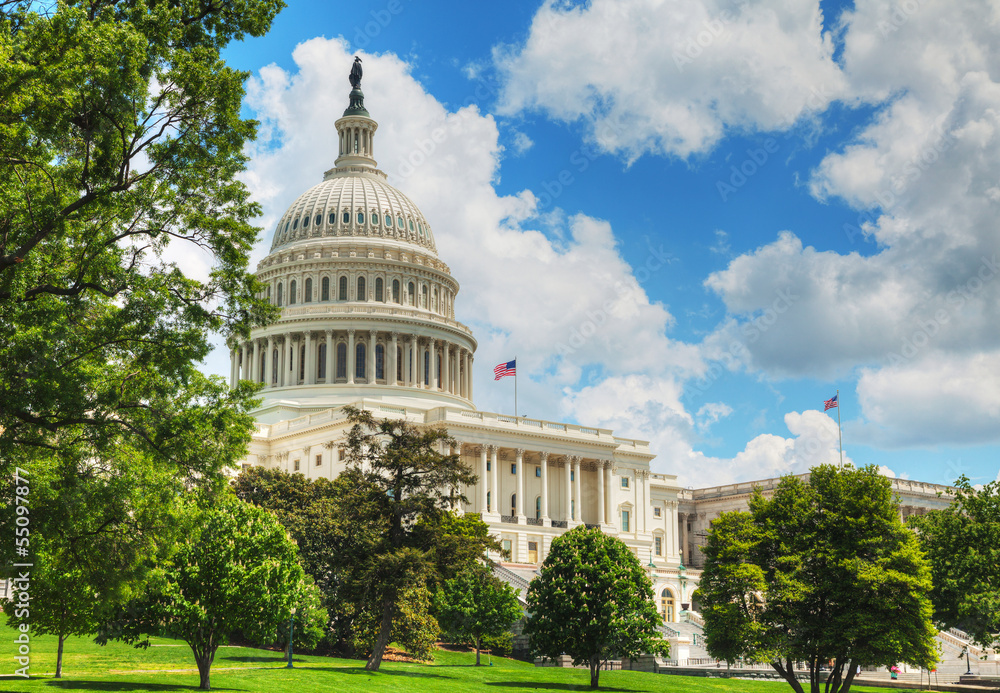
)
(59, 653)
(787, 672)
(595, 671)
(384, 632)
(204, 660)
(478, 663)
(845, 687)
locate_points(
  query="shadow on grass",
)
(277, 659)
(547, 685)
(380, 672)
(65, 685)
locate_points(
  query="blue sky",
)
(692, 221)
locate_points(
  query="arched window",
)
(412, 293)
(374, 218)
(342, 289)
(302, 362)
(434, 300)
(274, 366)
(332, 219)
(378, 290)
(319, 219)
(423, 295)
(347, 217)
(399, 363)
(291, 293)
(399, 222)
(324, 289)
(341, 360)
(395, 291)
(513, 504)
(361, 217)
(667, 605)
(295, 224)
(388, 221)
(427, 368)
(268, 294)
(379, 362)
(321, 362)
(305, 222)
(308, 297)
(362, 295)
(279, 294)
(538, 508)
(359, 361)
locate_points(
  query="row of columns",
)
(454, 375)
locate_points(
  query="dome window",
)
(362, 293)
(291, 293)
(342, 291)
(318, 220)
(347, 217)
(287, 224)
(399, 222)
(279, 295)
(411, 225)
(295, 224)
(333, 219)
(420, 228)
(388, 221)
(375, 219)
(361, 218)
(411, 297)
(308, 295)
(395, 291)
(379, 292)
(305, 222)
(325, 289)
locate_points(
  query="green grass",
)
(169, 666)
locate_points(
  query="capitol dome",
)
(367, 307)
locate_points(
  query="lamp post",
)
(291, 632)
(682, 575)
(968, 664)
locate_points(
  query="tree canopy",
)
(592, 601)
(822, 571)
(475, 604)
(963, 546)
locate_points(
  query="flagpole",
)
(515, 386)
(840, 432)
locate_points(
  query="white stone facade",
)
(367, 319)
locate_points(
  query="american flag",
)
(830, 403)
(506, 368)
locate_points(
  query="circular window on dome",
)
(388, 221)
(347, 217)
(399, 222)
(295, 224)
(305, 222)
(318, 220)
(361, 217)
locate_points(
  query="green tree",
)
(822, 571)
(407, 479)
(475, 604)
(121, 142)
(962, 543)
(237, 570)
(592, 601)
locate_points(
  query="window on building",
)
(399, 363)
(658, 546)
(437, 372)
(624, 482)
(423, 296)
(279, 295)
(572, 475)
(321, 362)
(332, 219)
(657, 512)
(379, 293)
(625, 519)
(374, 218)
(274, 366)
(538, 508)
(362, 294)
(427, 368)
(411, 296)
(346, 218)
(342, 289)
(379, 362)
(513, 504)
(302, 363)
(532, 552)
(318, 220)
(513, 468)
(295, 224)
(361, 218)
(667, 605)
(296, 465)
(395, 291)
(341, 454)
(399, 222)
(572, 510)
(308, 296)
(489, 465)
(388, 221)
(488, 502)
(325, 289)
(359, 361)
(305, 222)
(292, 290)
(319, 460)
(508, 548)
(341, 360)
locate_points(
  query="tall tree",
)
(592, 601)
(236, 571)
(963, 546)
(120, 145)
(411, 480)
(475, 604)
(822, 571)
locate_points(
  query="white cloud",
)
(709, 413)
(557, 294)
(521, 143)
(671, 77)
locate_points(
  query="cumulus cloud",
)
(671, 77)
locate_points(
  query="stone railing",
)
(694, 617)
(537, 522)
(560, 524)
(509, 519)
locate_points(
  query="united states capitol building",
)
(368, 319)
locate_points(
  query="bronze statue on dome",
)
(356, 73)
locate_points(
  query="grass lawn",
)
(169, 666)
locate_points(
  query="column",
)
(569, 491)
(578, 488)
(310, 359)
(445, 363)
(435, 370)
(519, 490)
(469, 357)
(293, 361)
(494, 483)
(395, 366)
(641, 478)
(600, 492)
(372, 339)
(483, 480)
(350, 357)
(683, 548)
(329, 356)
(268, 367)
(255, 367)
(285, 377)
(543, 458)
(232, 369)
